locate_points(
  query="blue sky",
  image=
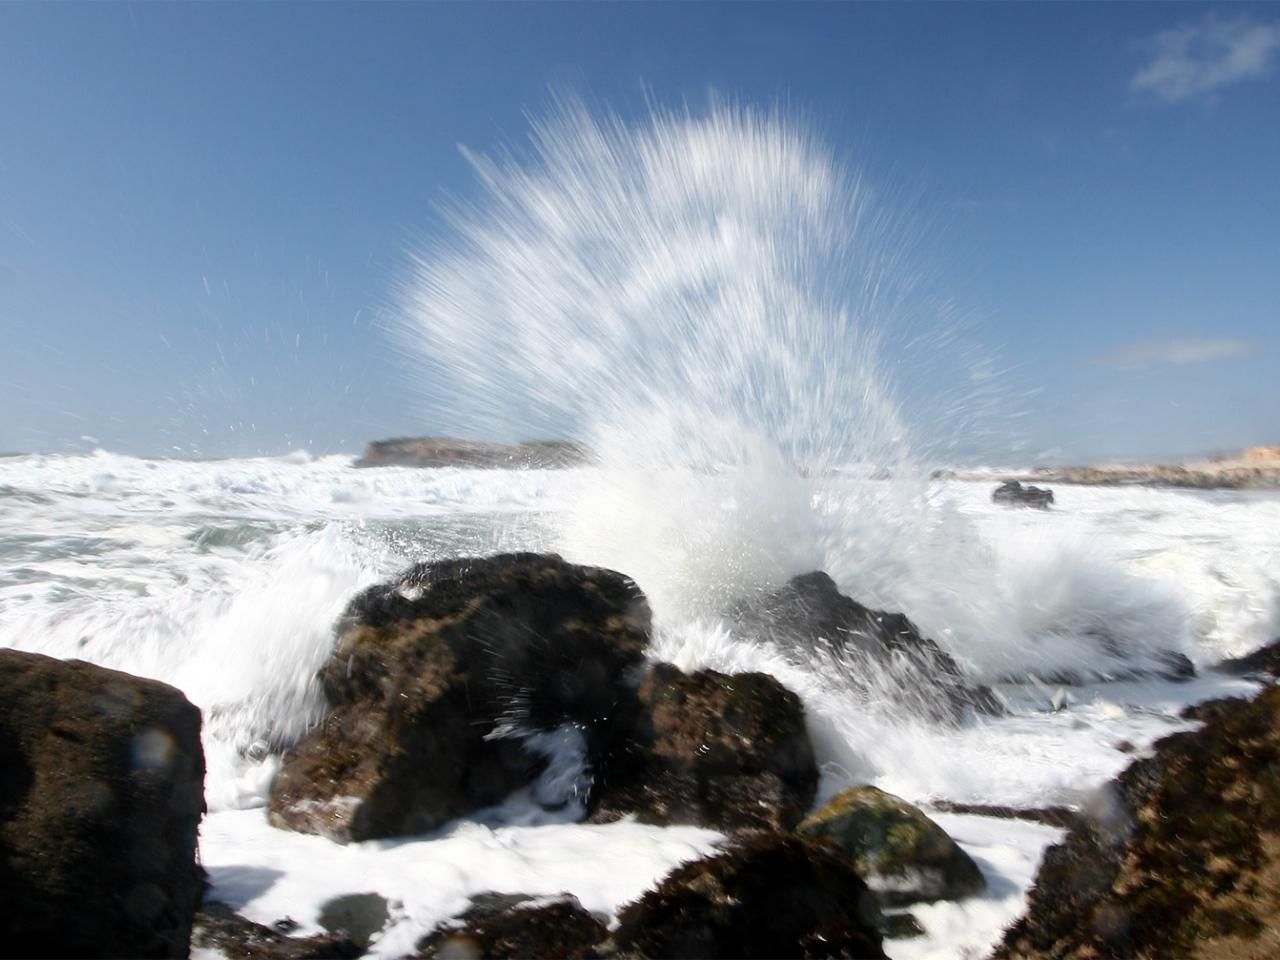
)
(204, 208)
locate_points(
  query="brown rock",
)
(101, 794)
(728, 751)
(430, 673)
(1180, 859)
(767, 896)
(219, 928)
(514, 925)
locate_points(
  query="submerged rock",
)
(220, 928)
(1011, 493)
(727, 751)
(502, 925)
(101, 794)
(768, 895)
(357, 916)
(1180, 856)
(811, 613)
(435, 677)
(902, 855)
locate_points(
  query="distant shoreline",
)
(1257, 468)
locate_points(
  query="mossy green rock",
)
(903, 855)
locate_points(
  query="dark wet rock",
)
(768, 895)
(902, 855)
(1180, 856)
(1063, 817)
(101, 794)
(1011, 493)
(220, 928)
(515, 925)
(728, 751)
(900, 926)
(1263, 663)
(358, 916)
(810, 615)
(430, 676)
(450, 452)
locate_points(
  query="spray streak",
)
(706, 302)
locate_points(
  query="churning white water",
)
(727, 317)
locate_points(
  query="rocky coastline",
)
(1257, 468)
(451, 452)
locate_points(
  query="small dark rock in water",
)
(101, 794)
(430, 670)
(900, 926)
(728, 751)
(766, 896)
(1050, 816)
(358, 916)
(1013, 494)
(810, 612)
(1264, 663)
(902, 855)
(514, 925)
(220, 928)
(1183, 858)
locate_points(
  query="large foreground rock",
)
(1182, 859)
(101, 794)
(810, 614)
(434, 677)
(767, 896)
(902, 855)
(728, 751)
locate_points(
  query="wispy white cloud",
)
(1195, 60)
(1149, 353)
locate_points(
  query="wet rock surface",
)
(766, 896)
(220, 928)
(902, 855)
(728, 751)
(1012, 493)
(435, 675)
(101, 795)
(1263, 663)
(1181, 858)
(516, 925)
(811, 613)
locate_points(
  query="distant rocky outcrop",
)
(1179, 857)
(1257, 468)
(728, 751)
(768, 895)
(902, 855)
(449, 452)
(101, 794)
(810, 613)
(1011, 493)
(435, 676)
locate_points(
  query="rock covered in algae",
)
(768, 895)
(435, 676)
(1181, 856)
(101, 794)
(902, 854)
(728, 751)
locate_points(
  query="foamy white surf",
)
(224, 578)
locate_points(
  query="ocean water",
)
(224, 578)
